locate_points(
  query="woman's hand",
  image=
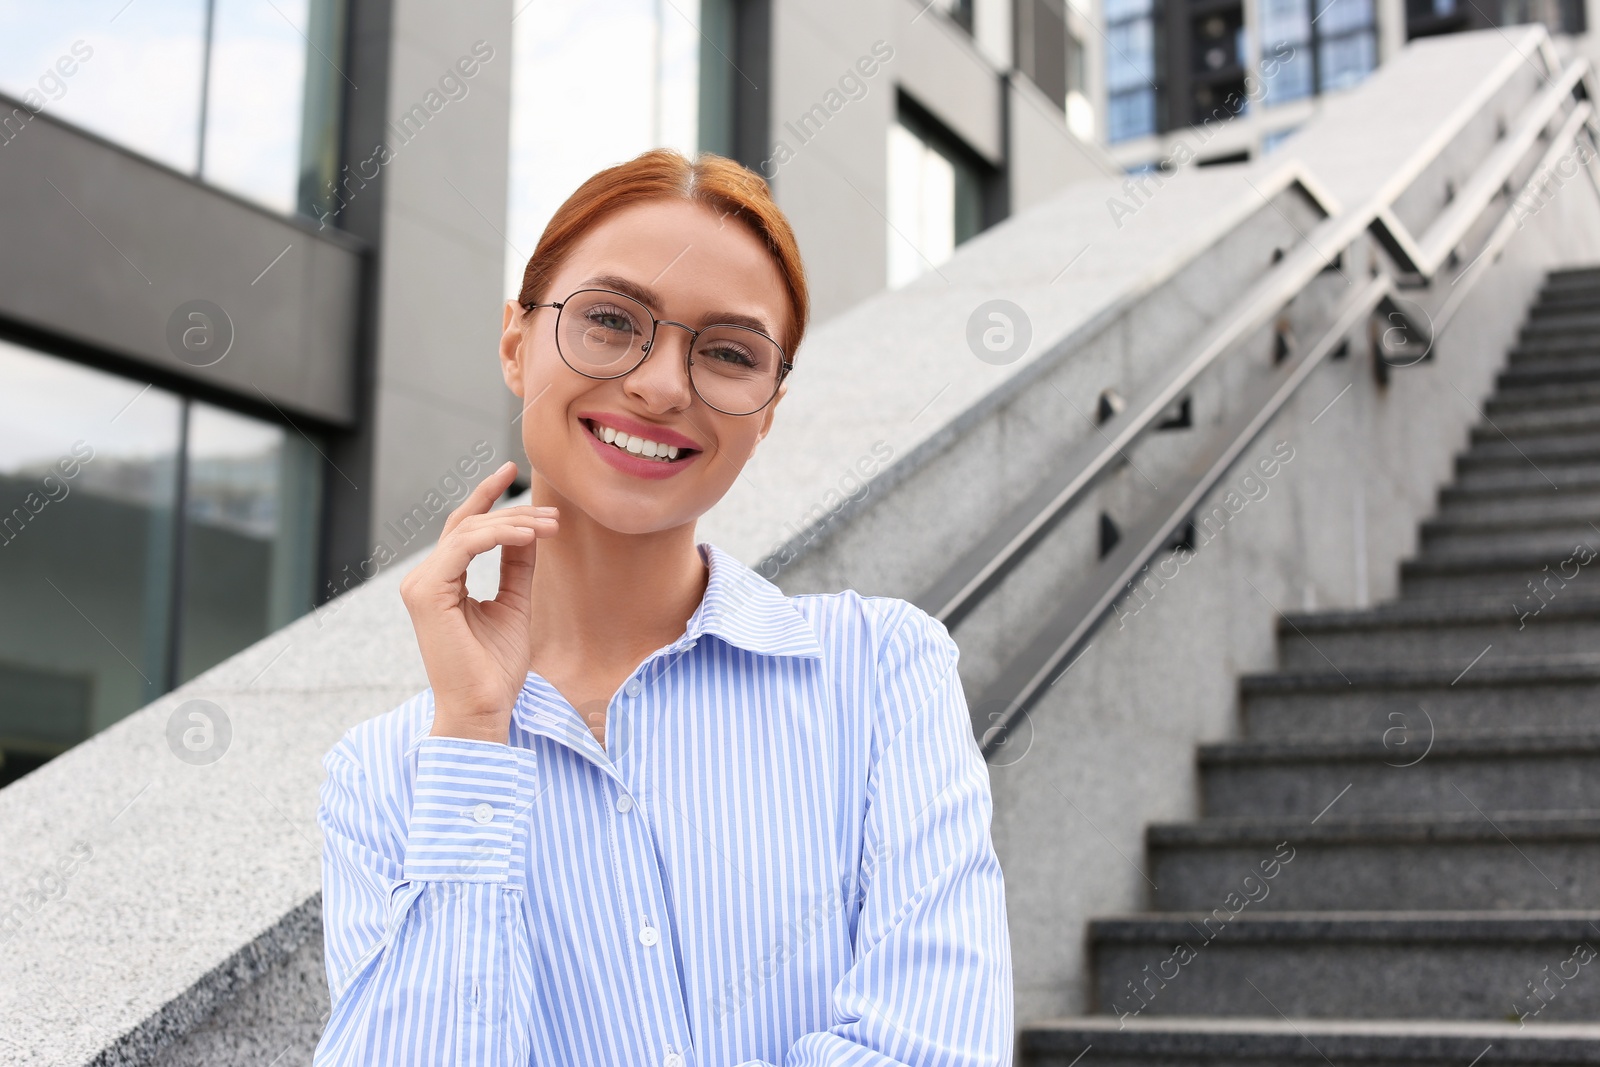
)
(476, 652)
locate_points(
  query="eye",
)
(610, 317)
(728, 353)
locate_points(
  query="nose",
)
(673, 363)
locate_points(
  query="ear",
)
(511, 346)
(771, 410)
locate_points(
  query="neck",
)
(601, 598)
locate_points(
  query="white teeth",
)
(639, 446)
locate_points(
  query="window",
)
(1272, 140)
(595, 84)
(114, 601)
(1347, 45)
(237, 93)
(1131, 62)
(936, 197)
(1304, 53)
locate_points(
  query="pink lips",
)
(634, 428)
(638, 466)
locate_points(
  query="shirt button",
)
(632, 688)
(672, 1059)
(483, 813)
(624, 802)
(648, 936)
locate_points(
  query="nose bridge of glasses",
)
(650, 345)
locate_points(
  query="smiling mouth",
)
(636, 446)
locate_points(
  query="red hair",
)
(718, 182)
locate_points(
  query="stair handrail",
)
(976, 572)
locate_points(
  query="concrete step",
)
(1567, 322)
(1550, 370)
(1512, 495)
(1542, 397)
(1411, 767)
(1532, 421)
(1551, 507)
(1557, 477)
(1389, 862)
(1501, 572)
(1573, 277)
(1193, 1041)
(1446, 536)
(1566, 303)
(1525, 449)
(1466, 511)
(1551, 693)
(1553, 347)
(1447, 634)
(1344, 965)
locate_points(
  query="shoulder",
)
(885, 652)
(886, 627)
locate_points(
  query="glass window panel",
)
(1286, 74)
(86, 551)
(639, 84)
(922, 206)
(1120, 10)
(249, 536)
(258, 69)
(1130, 55)
(1346, 60)
(1338, 17)
(135, 77)
(1131, 114)
(1284, 21)
(1275, 138)
(718, 79)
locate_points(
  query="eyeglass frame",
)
(784, 365)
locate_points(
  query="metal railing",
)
(1418, 263)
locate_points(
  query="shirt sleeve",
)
(931, 977)
(423, 927)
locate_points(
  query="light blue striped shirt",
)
(780, 857)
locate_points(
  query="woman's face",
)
(684, 263)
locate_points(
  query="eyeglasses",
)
(603, 334)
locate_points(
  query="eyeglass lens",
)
(734, 369)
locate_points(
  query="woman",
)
(650, 809)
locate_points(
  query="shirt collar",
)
(740, 606)
(748, 611)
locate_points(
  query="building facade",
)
(248, 358)
(1220, 81)
(247, 354)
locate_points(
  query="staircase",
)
(1399, 861)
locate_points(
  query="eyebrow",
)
(645, 295)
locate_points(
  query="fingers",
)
(475, 535)
(482, 497)
(516, 570)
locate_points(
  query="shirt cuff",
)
(462, 809)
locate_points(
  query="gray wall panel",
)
(141, 240)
